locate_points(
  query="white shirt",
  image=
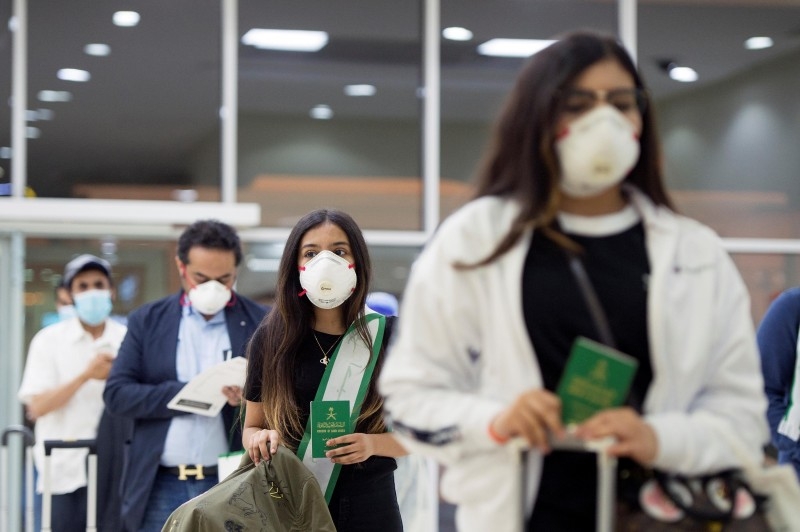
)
(58, 354)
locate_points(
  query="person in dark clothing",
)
(305, 350)
(778, 340)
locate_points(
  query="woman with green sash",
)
(312, 367)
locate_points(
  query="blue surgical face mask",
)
(66, 312)
(93, 306)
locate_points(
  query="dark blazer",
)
(142, 381)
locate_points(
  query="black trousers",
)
(367, 507)
(69, 511)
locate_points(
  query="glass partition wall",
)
(336, 126)
(725, 88)
(125, 104)
(121, 98)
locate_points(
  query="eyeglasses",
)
(579, 101)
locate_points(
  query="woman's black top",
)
(556, 313)
(307, 377)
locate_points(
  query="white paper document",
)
(203, 394)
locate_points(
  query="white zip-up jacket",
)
(462, 354)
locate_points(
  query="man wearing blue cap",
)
(62, 385)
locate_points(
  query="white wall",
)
(743, 134)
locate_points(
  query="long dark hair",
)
(279, 336)
(521, 161)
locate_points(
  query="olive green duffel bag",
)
(278, 495)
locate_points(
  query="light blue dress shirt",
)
(193, 439)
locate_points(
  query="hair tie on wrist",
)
(496, 437)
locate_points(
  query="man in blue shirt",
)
(172, 455)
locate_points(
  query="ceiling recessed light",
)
(684, 74)
(126, 19)
(758, 43)
(97, 49)
(321, 112)
(513, 47)
(74, 74)
(360, 90)
(45, 114)
(286, 40)
(456, 33)
(54, 96)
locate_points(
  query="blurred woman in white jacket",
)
(491, 308)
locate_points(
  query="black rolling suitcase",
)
(91, 487)
(27, 437)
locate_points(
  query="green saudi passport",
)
(596, 377)
(329, 419)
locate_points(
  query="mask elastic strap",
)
(302, 292)
(182, 269)
(184, 301)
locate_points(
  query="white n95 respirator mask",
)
(327, 279)
(596, 152)
(210, 297)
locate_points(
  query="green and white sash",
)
(346, 378)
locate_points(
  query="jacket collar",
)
(654, 216)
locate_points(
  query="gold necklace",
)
(324, 360)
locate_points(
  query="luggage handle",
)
(28, 440)
(91, 496)
(49, 445)
(27, 434)
(606, 475)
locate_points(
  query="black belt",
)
(185, 472)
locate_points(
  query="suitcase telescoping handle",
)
(27, 440)
(91, 486)
(49, 445)
(27, 434)
(605, 516)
